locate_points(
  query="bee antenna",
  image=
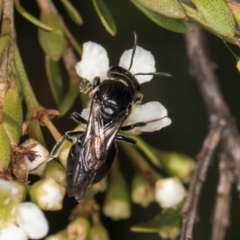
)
(155, 74)
(134, 48)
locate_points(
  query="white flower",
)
(13, 232)
(95, 63)
(169, 192)
(32, 220)
(19, 221)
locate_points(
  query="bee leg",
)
(67, 136)
(96, 82)
(130, 127)
(56, 149)
(125, 139)
(76, 117)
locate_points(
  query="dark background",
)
(180, 95)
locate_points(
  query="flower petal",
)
(94, 62)
(85, 113)
(32, 220)
(169, 192)
(13, 232)
(143, 62)
(151, 111)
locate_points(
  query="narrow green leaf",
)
(52, 43)
(35, 131)
(70, 37)
(217, 15)
(72, 12)
(176, 25)
(68, 100)
(5, 151)
(12, 112)
(4, 40)
(31, 18)
(105, 16)
(167, 219)
(55, 79)
(168, 8)
(26, 88)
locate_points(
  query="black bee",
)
(91, 155)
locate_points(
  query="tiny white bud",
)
(42, 154)
(169, 192)
(13, 232)
(48, 194)
(32, 220)
(117, 209)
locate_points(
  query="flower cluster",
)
(19, 220)
(95, 62)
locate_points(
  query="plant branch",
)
(222, 205)
(222, 128)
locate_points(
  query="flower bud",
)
(117, 200)
(177, 164)
(98, 231)
(142, 192)
(40, 155)
(64, 151)
(21, 190)
(78, 229)
(47, 194)
(9, 202)
(56, 171)
(169, 192)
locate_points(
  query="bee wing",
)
(91, 152)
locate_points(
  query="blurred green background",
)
(180, 95)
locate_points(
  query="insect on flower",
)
(115, 97)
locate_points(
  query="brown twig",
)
(221, 211)
(222, 128)
(189, 211)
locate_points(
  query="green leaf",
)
(31, 18)
(55, 79)
(168, 8)
(217, 15)
(235, 9)
(68, 100)
(4, 40)
(52, 43)
(12, 113)
(35, 131)
(167, 219)
(72, 12)
(176, 25)
(105, 16)
(5, 149)
(70, 37)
